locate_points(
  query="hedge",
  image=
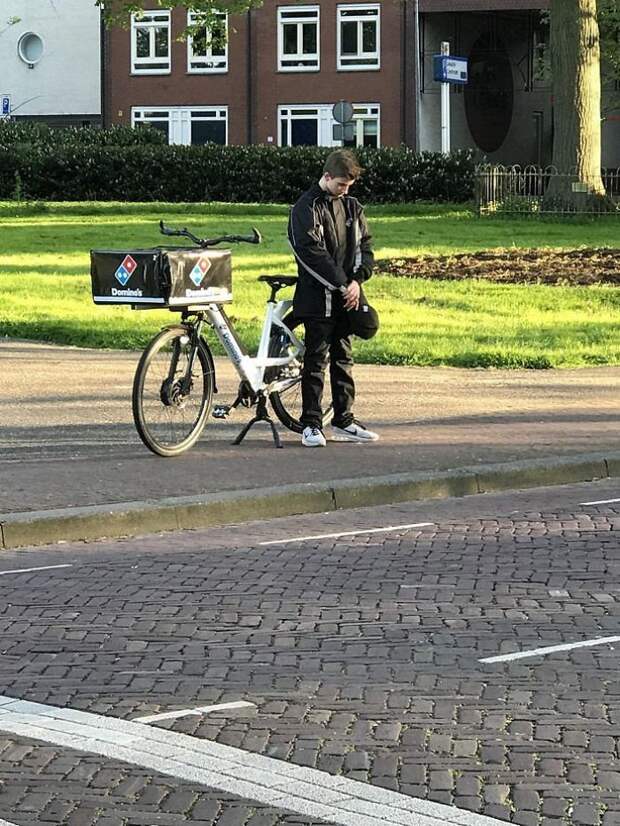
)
(13, 133)
(250, 174)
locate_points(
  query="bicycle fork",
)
(194, 340)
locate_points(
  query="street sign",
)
(449, 69)
(5, 106)
(344, 131)
(342, 111)
(442, 63)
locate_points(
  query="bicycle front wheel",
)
(287, 403)
(171, 402)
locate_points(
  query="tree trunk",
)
(576, 69)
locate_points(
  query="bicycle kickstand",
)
(261, 416)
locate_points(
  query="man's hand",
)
(352, 296)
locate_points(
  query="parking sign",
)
(5, 106)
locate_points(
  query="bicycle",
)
(175, 379)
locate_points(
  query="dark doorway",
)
(489, 95)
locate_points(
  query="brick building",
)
(286, 64)
(276, 81)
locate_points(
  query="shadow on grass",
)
(525, 355)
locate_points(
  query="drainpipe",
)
(404, 108)
(249, 101)
(416, 73)
(102, 69)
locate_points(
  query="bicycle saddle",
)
(281, 280)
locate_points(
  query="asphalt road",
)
(359, 656)
(67, 438)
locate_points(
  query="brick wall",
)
(253, 91)
(382, 86)
(124, 90)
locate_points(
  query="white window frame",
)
(151, 21)
(208, 63)
(180, 119)
(325, 120)
(296, 112)
(291, 63)
(160, 113)
(215, 113)
(347, 13)
(361, 113)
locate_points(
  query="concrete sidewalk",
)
(72, 465)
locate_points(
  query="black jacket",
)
(312, 236)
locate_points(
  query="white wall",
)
(66, 80)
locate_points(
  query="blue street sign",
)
(5, 104)
(449, 69)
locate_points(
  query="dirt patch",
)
(514, 266)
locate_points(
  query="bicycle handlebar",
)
(255, 238)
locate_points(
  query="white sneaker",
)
(355, 432)
(313, 437)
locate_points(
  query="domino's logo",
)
(126, 270)
(200, 270)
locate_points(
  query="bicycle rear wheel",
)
(287, 403)
(170, 404)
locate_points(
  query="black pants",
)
(327, 340)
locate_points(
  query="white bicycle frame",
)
(252, 368)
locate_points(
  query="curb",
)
(185, 512)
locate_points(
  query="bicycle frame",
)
(251, 369)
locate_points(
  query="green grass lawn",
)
(45, 285)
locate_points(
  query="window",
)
(299, 126)
(208, 126)
(197, 126)
(366, 120)
(154, 118)
(203, 56)
(358, 37)
(539, 56)
(304, 125)
(298, 39)
(150, 43)
(30, 48)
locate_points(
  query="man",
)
(329, 236)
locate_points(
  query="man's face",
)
(337, 187)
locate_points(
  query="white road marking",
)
(6, 823)
(275, 783)
(346, 533)
(601, 502)
(30, 570)
(550, 649)
(189, 712)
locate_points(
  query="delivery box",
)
(161, 277)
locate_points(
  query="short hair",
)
(342, 164)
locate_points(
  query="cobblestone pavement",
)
(361, 655)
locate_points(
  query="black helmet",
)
(364, 322)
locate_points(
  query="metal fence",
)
(537, 191)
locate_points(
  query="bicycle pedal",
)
(221, 411)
